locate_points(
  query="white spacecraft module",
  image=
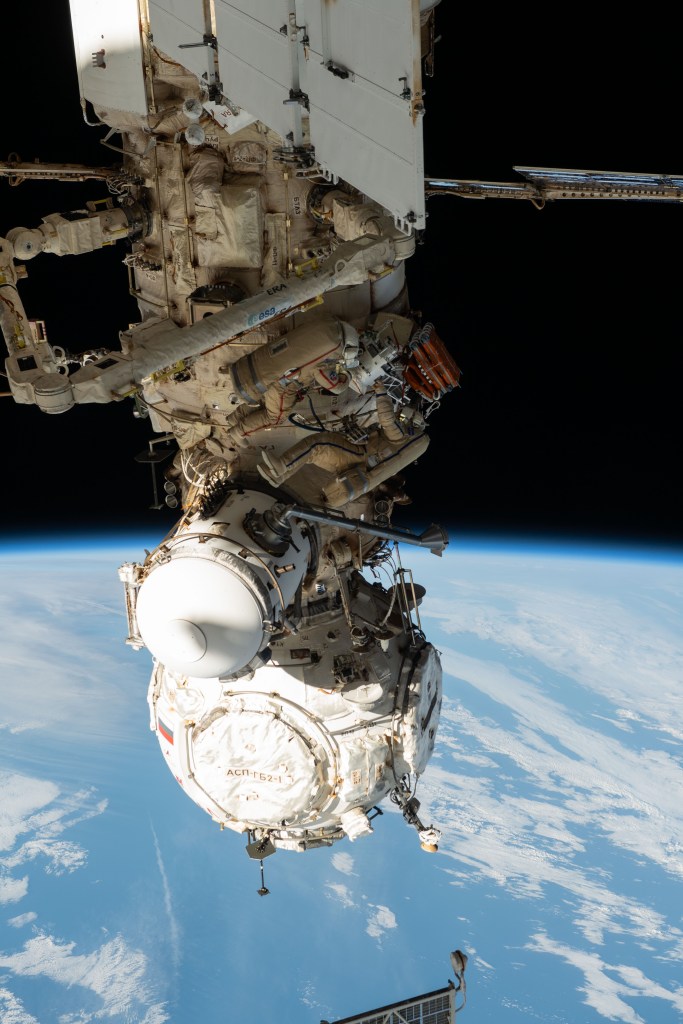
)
(269, 188)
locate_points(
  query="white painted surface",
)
(176, 22)
(112, 26)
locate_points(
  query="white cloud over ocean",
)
(65, 703)
(12, 889)
(339, 892)
(34, 813)
(174, 932)
(114, 972)
(560, 746)
(343, 862)
(12, 1010)
(607, 986)
(57, 640)
(22, 919)
(34, 816)
(380, 920)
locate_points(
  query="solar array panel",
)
(433, 1008)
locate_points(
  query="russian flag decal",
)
(165, 730)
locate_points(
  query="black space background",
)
(564, 321)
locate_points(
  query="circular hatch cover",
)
(260, 767)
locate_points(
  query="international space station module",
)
(268, 186)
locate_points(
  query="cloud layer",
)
(35, 814)
(115, 973)
(560, 748)
(57, 612)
